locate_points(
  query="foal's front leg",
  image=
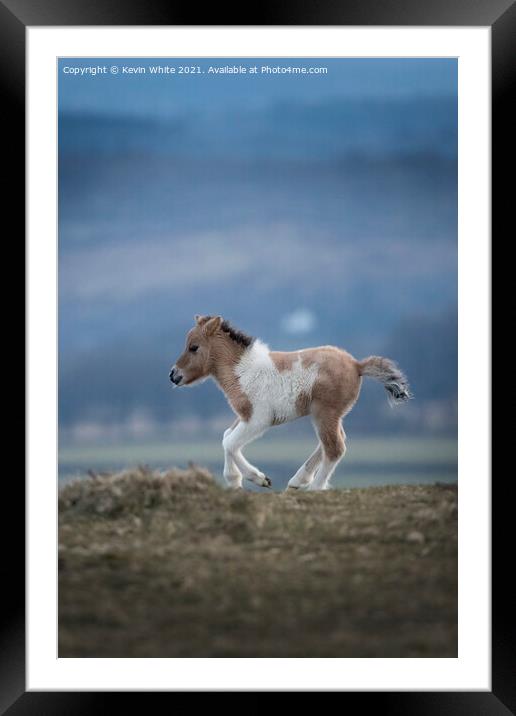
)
(231, 473)
(242, 434)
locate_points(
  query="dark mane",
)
(236, 335)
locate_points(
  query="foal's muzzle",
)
(175, 376)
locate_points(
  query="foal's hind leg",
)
(333, 439)
(304, 475)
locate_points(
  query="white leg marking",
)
(243, 434)
(306, 472)
(322, 479)
(231, 473)
(333, 441)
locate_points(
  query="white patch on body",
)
(273, 393)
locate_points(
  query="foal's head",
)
(194, 363)
(212, 345)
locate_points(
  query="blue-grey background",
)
(307, 209)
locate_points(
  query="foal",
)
(266, 388)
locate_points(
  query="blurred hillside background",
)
(306, 209)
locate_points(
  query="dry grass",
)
(170, 564)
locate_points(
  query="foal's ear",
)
(200, 320)
(212, 325)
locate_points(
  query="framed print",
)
(296, 214)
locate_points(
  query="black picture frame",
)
(15, 17)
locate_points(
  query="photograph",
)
(257, 357)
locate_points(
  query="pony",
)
(266, 388)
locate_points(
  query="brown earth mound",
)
(170, 564)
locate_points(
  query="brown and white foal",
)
(266, 388)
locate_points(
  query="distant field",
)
(154, 565)
(371, 461)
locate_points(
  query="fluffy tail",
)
(388, 373)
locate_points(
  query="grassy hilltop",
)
(172, 565)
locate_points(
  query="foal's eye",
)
(193, 349)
